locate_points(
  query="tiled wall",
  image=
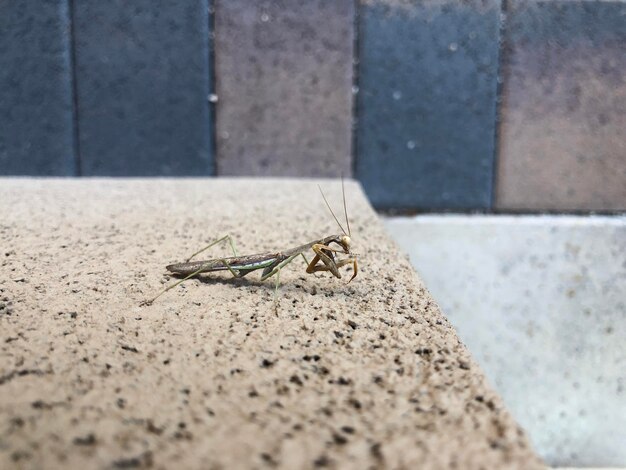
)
(434, 105)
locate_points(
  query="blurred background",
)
(490, 134)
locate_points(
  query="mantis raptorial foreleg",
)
(321, 254)
(330, 264)
(319, 268)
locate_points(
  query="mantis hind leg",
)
(215, 242)
(236, 273)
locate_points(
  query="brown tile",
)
(284, 85)
(562, 144)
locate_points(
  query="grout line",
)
(74, 86)
(502, 18)
(533, 220)
(399, 212)
(211, 7)
(356, 62)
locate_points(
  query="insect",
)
(325, 257)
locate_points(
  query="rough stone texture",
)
(143, 87)
(540, 302)
(562, 144)
(427, 101)
(36, 130)
(284, 84)
(359, 375)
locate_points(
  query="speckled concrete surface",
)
(365, 375)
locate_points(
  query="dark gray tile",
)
(427, 100)
(143, 87)
(36, 130)
(563, 117)
(284, 81)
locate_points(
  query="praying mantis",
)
(325, 257)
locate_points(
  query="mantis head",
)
(345, 241)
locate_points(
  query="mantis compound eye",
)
(345, 243)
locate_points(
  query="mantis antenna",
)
(345, 209)
(331, 211)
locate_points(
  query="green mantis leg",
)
(275, 269)
(195, 273)
(236, 274)
(149, 302)
(227, 237)
(276, 287)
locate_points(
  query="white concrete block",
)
(541, 303)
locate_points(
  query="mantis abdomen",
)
(238, 263)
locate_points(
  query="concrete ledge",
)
(540, 302)
(360, 375)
